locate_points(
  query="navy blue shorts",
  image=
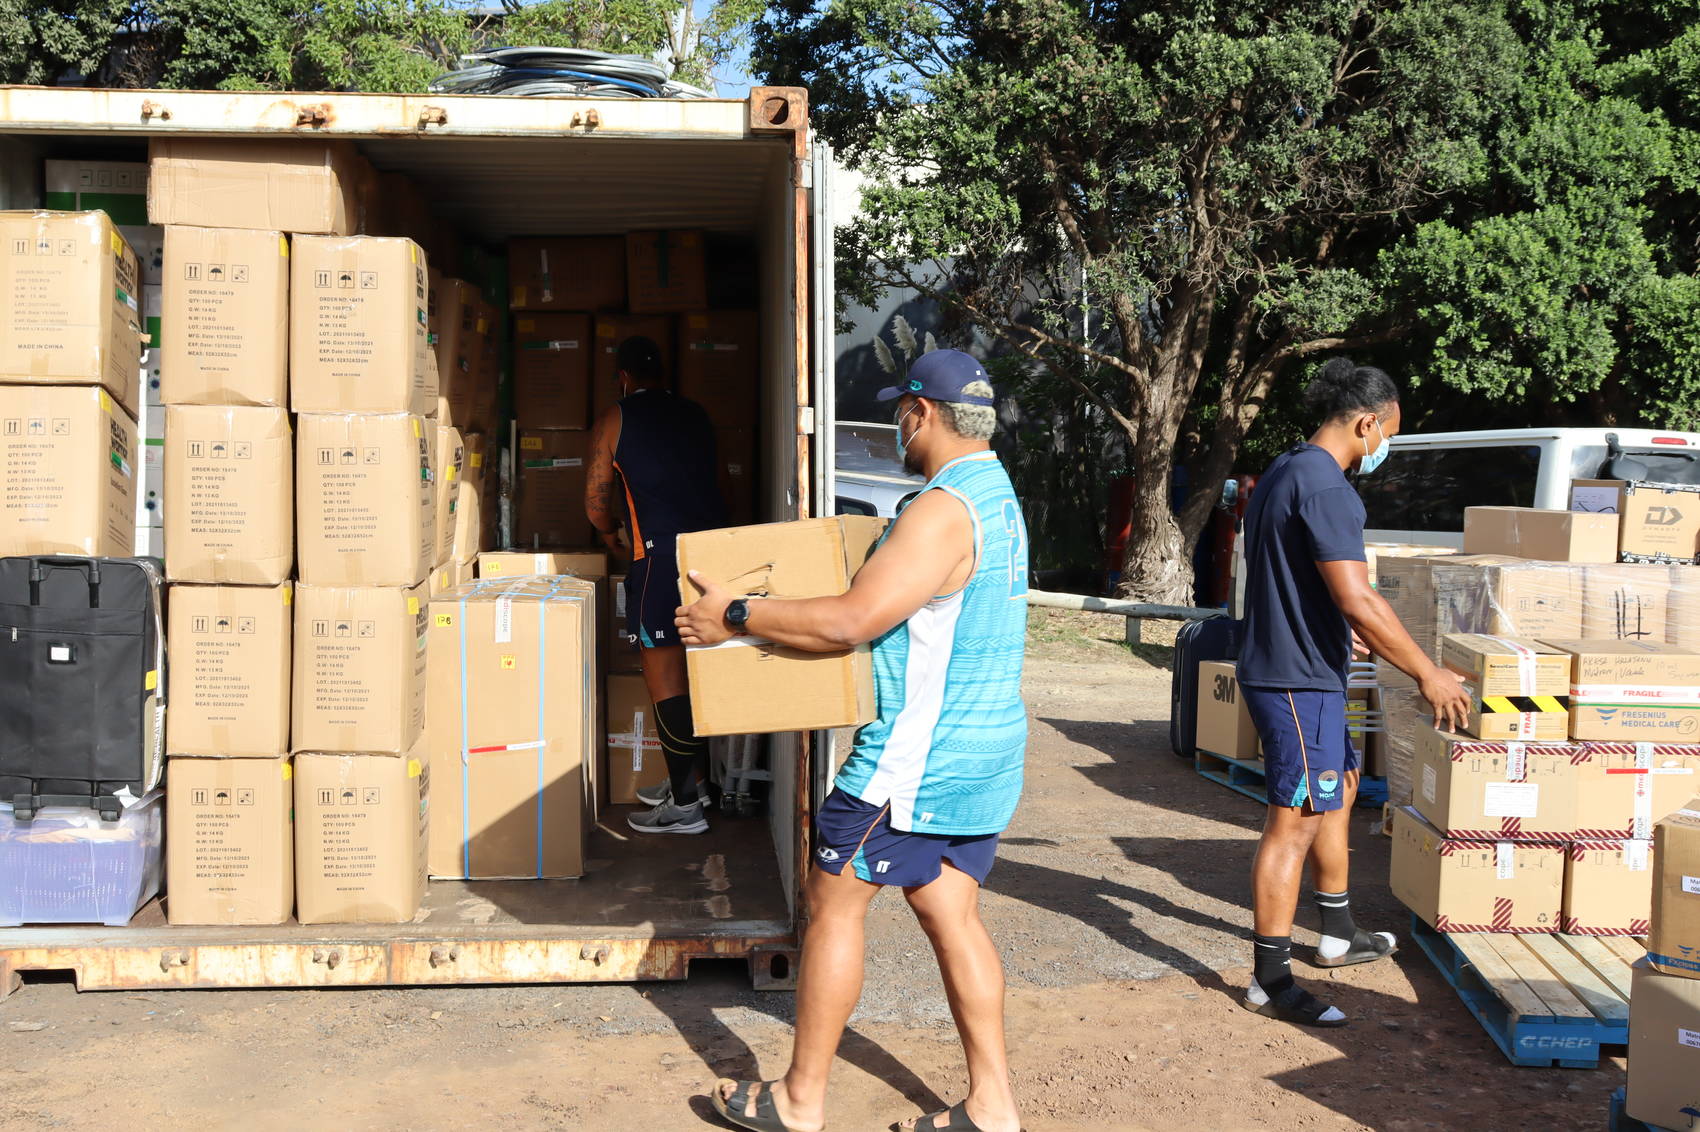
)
(652, 600)
(1306, 750)
(851, 831)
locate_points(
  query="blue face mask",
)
(903, 445)
(1371, 460)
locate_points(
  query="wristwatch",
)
(737, 613)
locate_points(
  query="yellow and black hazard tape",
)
(1521, 705)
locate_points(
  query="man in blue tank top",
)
(652, 477)
(935, 778)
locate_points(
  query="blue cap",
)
(940, 376)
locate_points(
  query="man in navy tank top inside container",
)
(934, 779)
(1308, 603)
(652, 478)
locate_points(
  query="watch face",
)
(738, 612)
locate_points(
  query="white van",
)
(1419, 494)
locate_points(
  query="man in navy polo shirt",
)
(1307, 594)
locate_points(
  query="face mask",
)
(1372, 460)
(903, 445)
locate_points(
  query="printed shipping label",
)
(1691, 885)
(1511, 799)
(1504, 860)
(504, 620)
(1689, 1038)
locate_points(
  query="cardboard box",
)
(229, 841)
(229, 678)
(552, 473)
(1633, 691)
(735, 456)
(1673, 943)
(1664, 1048)
(1626, 788)
(284, 185)
(359, 668)
(517, 563)
(230, 499)
(1504, 791)
(1456, 885)
(357, 327)
(486, 389)
(1682, 614)
(512, 727)
(552, 355)
(68, 469)
(360, 837)
(449, 575)
(467, 536)
(720, 366)
(635, 759)
(453, 309)
(1519, 689)
(611, 330)
(1366, 726)
(624, 655)
(753, 685)
(366, 499)
(70, 304)
(1608, 887)
(666, 272)
(118, 188)
(225, 320)
(567, 273)
(1626, 602)
(1655, 521)
(1224, 722)
(1549, 536)
(446, 469)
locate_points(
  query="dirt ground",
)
(1119, 902)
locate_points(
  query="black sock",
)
(1336, 911)
(687, 755)
(1272, 957)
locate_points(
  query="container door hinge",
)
(806, 420)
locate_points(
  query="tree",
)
(40, 42)
(1236, 187)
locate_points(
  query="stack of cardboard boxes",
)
(1664, 1010)
(1584, 679)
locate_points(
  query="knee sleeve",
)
(687, 755)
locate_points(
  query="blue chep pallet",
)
(1620, 1121)
(1246, 776)
(1544, 999)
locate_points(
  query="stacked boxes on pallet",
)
(1664, 1014)
(1584, 730)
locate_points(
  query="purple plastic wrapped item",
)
(69, 867)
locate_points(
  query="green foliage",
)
(40, 43)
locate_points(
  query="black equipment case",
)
(82, 669)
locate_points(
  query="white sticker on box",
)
(1504, 860)
(504, 620)
(1516, 761)
(1642, 825)
(1643, 755)
(1431, 783)
(1635, 855)
(1594, 499)
(1691, 885)
(1511, 799)
(1689, 1038)
(1527, 669)
(637, 742)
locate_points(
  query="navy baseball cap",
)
(940, 376)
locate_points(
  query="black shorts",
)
(652, 598)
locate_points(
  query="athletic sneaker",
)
(653, 796)
(668, 818)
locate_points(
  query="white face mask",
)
(902, 444)
(1372, 460)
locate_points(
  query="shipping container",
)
(498, 167)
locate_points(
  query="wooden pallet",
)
(1246, 776)
(1618, 1120)
(1544, 999)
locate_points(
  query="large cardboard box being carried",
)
(1673, 943)
(1633, 691)
(68, 469)
(1475, 886)
(360, 836)
(231, 649)
(751, 685)
(1664, 1048)
(552, 475)
(1224, 722)
(229, 841)
(720, 366)
(225, 321)
(1608, 887)
(666, 272)
(285, 185)
(1487, 791)
(552, 355)
(1626, 602)
(567, 273)
(1518, 688)
(359, 667)
(365, 499)
(635, 758)
(229, 495)
(358, 327)
(70, 304)
(1534, 532)
(1626, 788)
(1658, 521)
(512, 727)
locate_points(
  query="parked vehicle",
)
(870, 479)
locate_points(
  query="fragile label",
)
(1511, 799)
(1504, 860)
(1431, 780)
